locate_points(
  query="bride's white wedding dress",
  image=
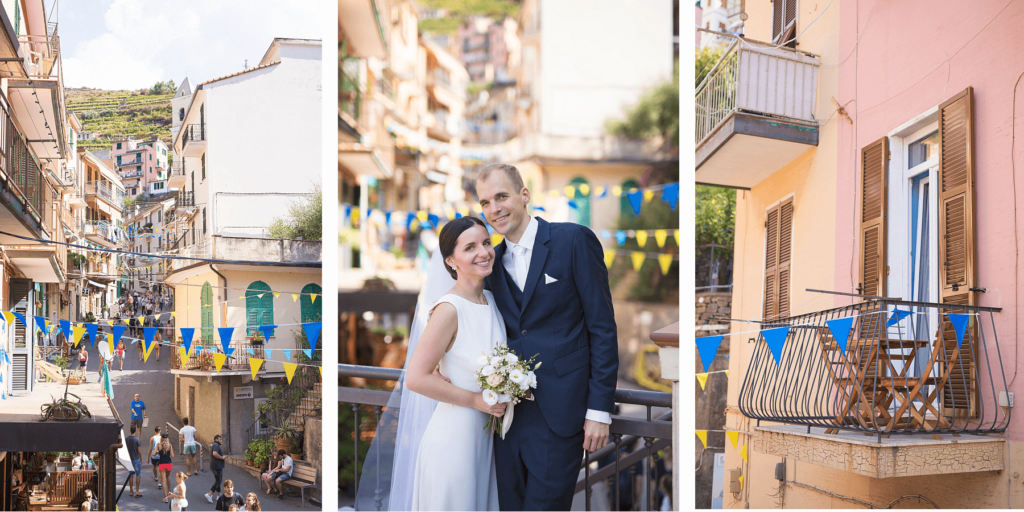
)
(455, 462)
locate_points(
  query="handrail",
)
(199, 451)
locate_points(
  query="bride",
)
(438, 454)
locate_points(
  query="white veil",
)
(385, 482)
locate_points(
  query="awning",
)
(97, 285)
(122, 455)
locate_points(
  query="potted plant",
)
(256, 338)
(262, 450)
(296, 449)
(286, 433)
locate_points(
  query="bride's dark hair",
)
(450, 236)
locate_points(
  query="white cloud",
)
(138, 45)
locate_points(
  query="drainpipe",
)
(111, 468)
(224, 320)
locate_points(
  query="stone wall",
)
(711, 401)
(313, 448)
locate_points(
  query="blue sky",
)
(132, 44)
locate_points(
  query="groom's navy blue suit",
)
(571, 324)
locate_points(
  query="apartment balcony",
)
(450, 93)
(42, 263)
(130, 163)
(185, 203)
(200, 361)
(101, 232)
(38, 98)
(105, 195)
(177, 178)
(902, 376)
(755, 113)
(24, 188)
(438, 126)
(364, 27)
(193, 140)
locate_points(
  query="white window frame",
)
(256, 411)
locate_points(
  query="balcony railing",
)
(185, 199)
(634, 440)
(202, 358)
(106, 191)
(102, 229)
(903, 371)
(758, 78)
(193, 133)
(20, 169)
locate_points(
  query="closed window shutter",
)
(957, 246)
(784, 22)
(873, 204)
(258, 311)
(206, 316)
(778, 248)
(311, 311)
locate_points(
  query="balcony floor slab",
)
(895, 456)
(747, 148)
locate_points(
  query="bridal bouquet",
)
(504, 378)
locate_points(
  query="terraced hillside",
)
(117, 114)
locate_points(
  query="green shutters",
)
(259, 307)
(204, 165)
(17, 18)
(312, 311)
(582, 199)
(206, 305)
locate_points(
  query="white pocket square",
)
(548, 279)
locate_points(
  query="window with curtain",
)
(582, 200)
(311, 311)
(259, 307)
(206, 308)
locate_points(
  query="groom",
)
(551, 286)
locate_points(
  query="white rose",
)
(531, 378)
(504, 398)
(517, 376)
(487, 370)
(495, 380)
(490, 397)
(512, 358)
(482, 360)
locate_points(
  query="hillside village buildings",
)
(143, 166)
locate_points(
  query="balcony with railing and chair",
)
(193, 140)
(882, 388)
(105, 191)
(755, 112)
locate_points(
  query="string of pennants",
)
(637, 198)
(75, 333)
(734, 437)
(840, 328)
(639, 257)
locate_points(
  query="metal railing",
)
(102, 229)
(902, 373)
(626, 432)
(310, 404)
(106, 191)
(202, 357)
(185, 200)
(19, 168)
(199, 445)
(759, 78)
(193, 133)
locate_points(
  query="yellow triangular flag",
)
(10, 319)
(289, 370)
(675, 234)
(261, 295)
(496, 239)
(241, 297)
(183, 354)
(648, 195)
(703, 436)
(295, 297)
(741, 481)
(145, 358)
(477, 208)
(422, 215)
(312, 298)
(76, 334)
(609, 257)
(638, 260)
(743, 452)
(277, 294)
(254, 365)
(218, 359)
(552, 193)
(665, 260)
(703, 379)
(727, 374)
(584, 189)
(616, 191)
(570, 192)
(734, 437)
(174, 314)
(110, 342)
(660, 236)
(110, 323)
(321, 371)
(641, 238)
(126, 321)
(142, 320)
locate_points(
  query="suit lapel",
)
(500, 283)
(540, 256)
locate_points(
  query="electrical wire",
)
(1016, 246)
(862, 502)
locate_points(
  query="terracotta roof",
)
(267, 65)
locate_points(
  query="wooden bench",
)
(304, 475)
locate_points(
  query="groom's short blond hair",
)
(510, 171)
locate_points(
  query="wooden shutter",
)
(778, 251)
(258, 310)
(873, 204)
(784, 22)
(311, 311)
(206, 314)
(957, 245)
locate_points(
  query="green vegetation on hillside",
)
(460, 10)
(115, 114)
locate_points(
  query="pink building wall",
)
(896, 61)
(152, 158)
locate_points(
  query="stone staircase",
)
(309, 406)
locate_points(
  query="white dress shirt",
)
(516, 261)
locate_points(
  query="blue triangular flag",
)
(620, 237)
(607, 235)
(670, 195)
(313, 332)
(92, 329)
(410, 218)
(604, 192)
(841, 331)
(635, 200)
(148, 333)
(268, 331)
(707, 347)
(959, 321)
(21, 317)
(433, 219)
(897, 315)
(225, 337)
(270, 353)
(287, 354)
(118, 331)
(776, 338)
(387, 218)
(251, 352)
(308, 352)
(540, 209)
(65, 327)
(186, 337)
(41, 323)
(229, 351)
(573, 205)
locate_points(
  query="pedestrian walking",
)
(187, 436)
(135, 478)
(229, 497)
(252, 503)
(158, 339)
(120, 354)
(216, 466)
(83, 359)
(138, 412)
(165, 452)
(177, 496)
(154, 459)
